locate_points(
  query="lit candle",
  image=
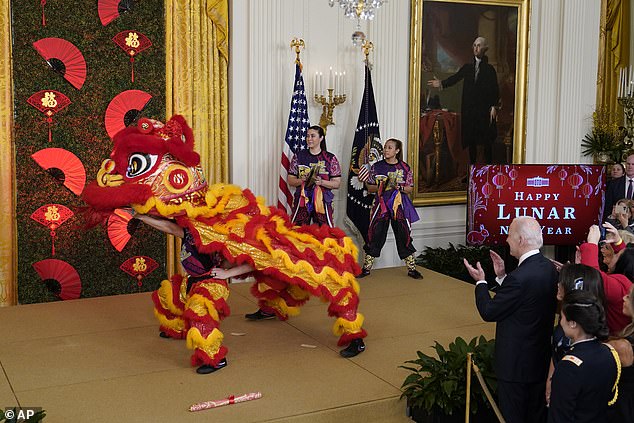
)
(321, 83)
(315, 83)
(331, 82)
(619, 93)
(336, 83)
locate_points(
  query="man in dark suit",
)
(619, 188)
(524, 309)
(480, 94)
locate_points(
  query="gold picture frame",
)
(441, 34)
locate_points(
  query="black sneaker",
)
(356, 347)
(164, 335)
(363, 274)
(205, 369)
(415, 274)
(260, 315)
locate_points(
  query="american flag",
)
(295, 139)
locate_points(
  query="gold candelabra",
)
(328, 106)
(627, 103)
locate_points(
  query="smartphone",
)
(622, 209)
(602, 230)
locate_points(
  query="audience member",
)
(622, 187)
(585, 378)
(524, 309)
(621, 216)
(617, 170)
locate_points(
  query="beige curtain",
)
(197, 57)
(614, 48)
(8, 234)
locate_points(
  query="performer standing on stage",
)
(315, 173)
(391, 179)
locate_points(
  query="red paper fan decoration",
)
(121, 227)
(64, 58)
(125, 109)
(109, 10)
(139, 267)
(63, 166)
(133, 43)
(49, 102)
(54, 272)
(52, 216)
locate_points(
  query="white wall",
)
(561, 90)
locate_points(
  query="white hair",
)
(530, 230)
(483, 42)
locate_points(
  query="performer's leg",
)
(325, 218)
(377, 234)
(276, 298)
(348, 325)
(404, 245)
(169, 304)
(301, 216)
(206, 306)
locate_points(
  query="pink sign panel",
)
(565, 199)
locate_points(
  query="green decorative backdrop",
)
(79, 129)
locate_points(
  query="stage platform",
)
(101, 359)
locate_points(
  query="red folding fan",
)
(139, 267)
(125, 109)
(63, 166)
(121, 227)
(64, 58)
(52, 216)
(133, 43)
(49, 102)
(60, 278)
(109, 10)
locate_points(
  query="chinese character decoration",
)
(49, 102)
(133, 43)
(52, 216)
(139, 267)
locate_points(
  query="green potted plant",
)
(435, 389)
(604, 142)
(448, 260)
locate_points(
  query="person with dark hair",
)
(585, 380)
(314, 172)
(618, 188)
(524, 311)
(617, 170)
(571, 277)
(392, 181)
(480, 96)
(617, 283)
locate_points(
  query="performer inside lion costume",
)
(154, 170)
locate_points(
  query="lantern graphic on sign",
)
(513, 174)
(575, 180)
(586, 190)
(562, 175)
(139, 267)
(52, 216)
(500, 180)
(487, 190)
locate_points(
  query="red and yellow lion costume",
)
(155, 170)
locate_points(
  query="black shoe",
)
(356, 347)
(205, 369)
(363, 274)
(164, 335)
(260, 315)
(414, 274)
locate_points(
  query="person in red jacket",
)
(616, 284)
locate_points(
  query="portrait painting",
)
(467, 92)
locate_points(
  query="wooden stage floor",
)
(101, 359)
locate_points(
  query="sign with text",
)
(565, 199)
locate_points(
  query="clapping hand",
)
(477, 273)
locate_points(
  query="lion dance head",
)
(153, 168)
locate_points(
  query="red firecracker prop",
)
(49, 102)
(125, 109)
(121, 227)
(139, 267)
(63, 166)
(63, 274)
(64, 58)
(52, 216)
(133, 43)
(109, 10)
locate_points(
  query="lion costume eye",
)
(140, 163)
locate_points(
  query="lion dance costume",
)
(155, 170)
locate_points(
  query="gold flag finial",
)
(297, 43)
